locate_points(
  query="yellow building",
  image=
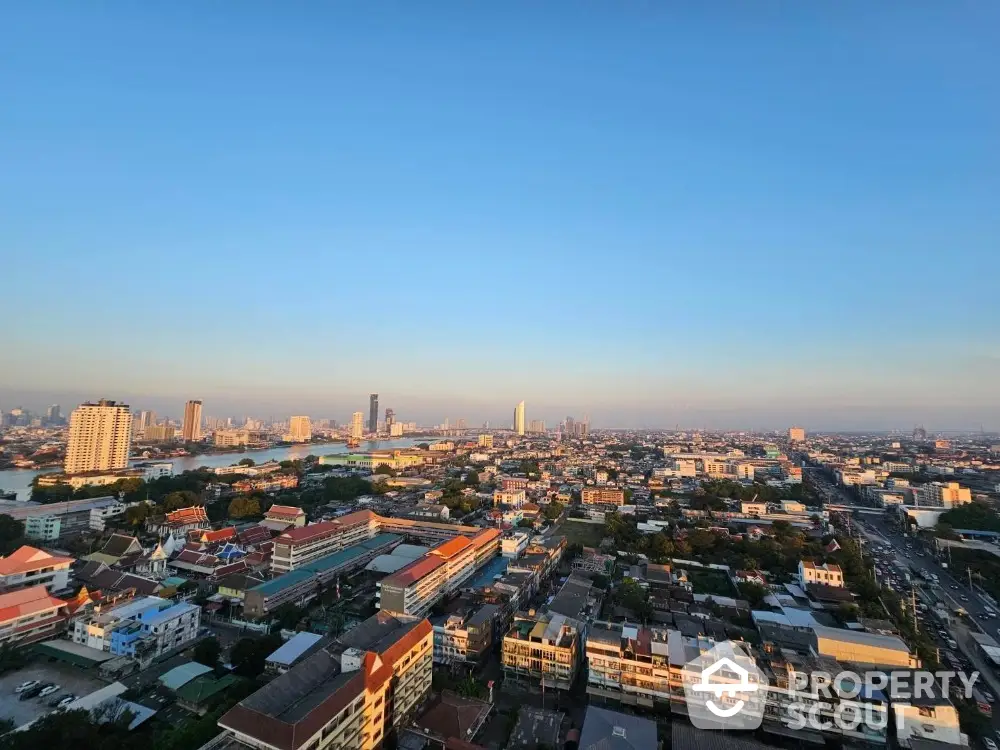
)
(100, 436)
(357, 425)
(796, 435)
(519, 418)
(300, 429)
(543, 649)
(191, 429)
(485, 441)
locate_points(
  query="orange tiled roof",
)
(285, 510)
(25, 559)
(219, 536)
(194, 514)
(452, 547)
(26, 602)
(414, 571)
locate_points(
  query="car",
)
(990, 698)
(954, 586)
(31, 692)
(46, 691)
(964, 598)
(66, 701)
(990, 744)
(25, 686)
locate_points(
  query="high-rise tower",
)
(191, 430)
(519, 418)
(373, 413)
(99, 437)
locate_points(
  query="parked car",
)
(32, 692)
(66, 701)
(25, 686)
(990, 744)
(46, 691)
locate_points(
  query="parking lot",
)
(70, 679)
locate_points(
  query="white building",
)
(941, 495)
(28, 566)
(95, 631)
(514, 498)
(99, 437)
(357, 425)
(826, 574)
(513, 546)
(519, 418)
(299, 429)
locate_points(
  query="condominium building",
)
(392, 459)
(357, 425)
(602, 496)
(234, 438)
(941, 495)
(485, 441)
(796, 435)
(396, 429)
(299, 429)
(514, 498)
(160, 433)
(153, 632)
(29, 615)
(536, 426)
(191, 428)
(417, 587)
(26, 567)
(827, 574)
(464, 637)
(95, 631)
(519, 418)
(543, 649)
(346, 696)
(99, 437)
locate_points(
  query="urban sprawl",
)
(518, 585)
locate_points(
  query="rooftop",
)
(26, 602)
(26, 559)
(610, 730)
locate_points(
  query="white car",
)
(990, 744)
(25, 685)
(49, 690)
(66, 701)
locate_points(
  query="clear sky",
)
(712, 214)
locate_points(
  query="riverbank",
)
(19, 480)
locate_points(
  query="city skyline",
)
(767, 217)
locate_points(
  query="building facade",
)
(602, 496)
(100, 436)
(519, 418)
(29, 615)
(543, 649)
(300, 429)
(191, 428)
(27, 567)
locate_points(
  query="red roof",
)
(485, 536)
(26, 602)
(414, 571)
(222, 535)
(452, 547)
(285, 510)
(26, 559)
(194, 514)
(308, 533)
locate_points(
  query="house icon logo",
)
(724, 689)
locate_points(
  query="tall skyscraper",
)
(53, 415)
(373, 413)
(519, 418)
(570, 426)
(390, 420)
(358, 425)
(536, 425)
(99, 437)
(191, 429)
(300, 429)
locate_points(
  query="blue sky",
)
(657, 213)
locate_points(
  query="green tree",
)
(246, 462)
(553, 510)
(243, 507)
(11, 534)
(526, 523)
(207, 652)
(753, 593)
(136, 515)
(181, 499)
(249, 655)
(385, 469)
(423, 446)
(472, 478)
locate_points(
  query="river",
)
(19, 480)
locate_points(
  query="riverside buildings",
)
(99, 437)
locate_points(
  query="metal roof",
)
(182, 675)
(294, 648)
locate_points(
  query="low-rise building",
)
(464, 637)
(515, 498)
(283, 517)
(348, 695)
(827, 574)
(602, 496)
(269, 483)
(542, 649)
(514, 544)
(153, 632)
(30, 615)
(27, 566)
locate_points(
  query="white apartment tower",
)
(99, 437)
(519, 418)
(300, 429)
(191, 429)
(358, 425)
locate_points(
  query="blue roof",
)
(336, 560)
(183, 674)
(294, 647)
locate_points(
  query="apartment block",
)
(602, 496)
(513, 498)
(464, 637)
(269, 483)
(30, 615)
(485, 441)
(151, 633)
(416, 587)
(27, 566)
(99, 437)
(941, 495)
(95, 631)
(543, 649)
(346, 696)
(300, 429)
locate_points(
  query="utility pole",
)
(913, 609)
